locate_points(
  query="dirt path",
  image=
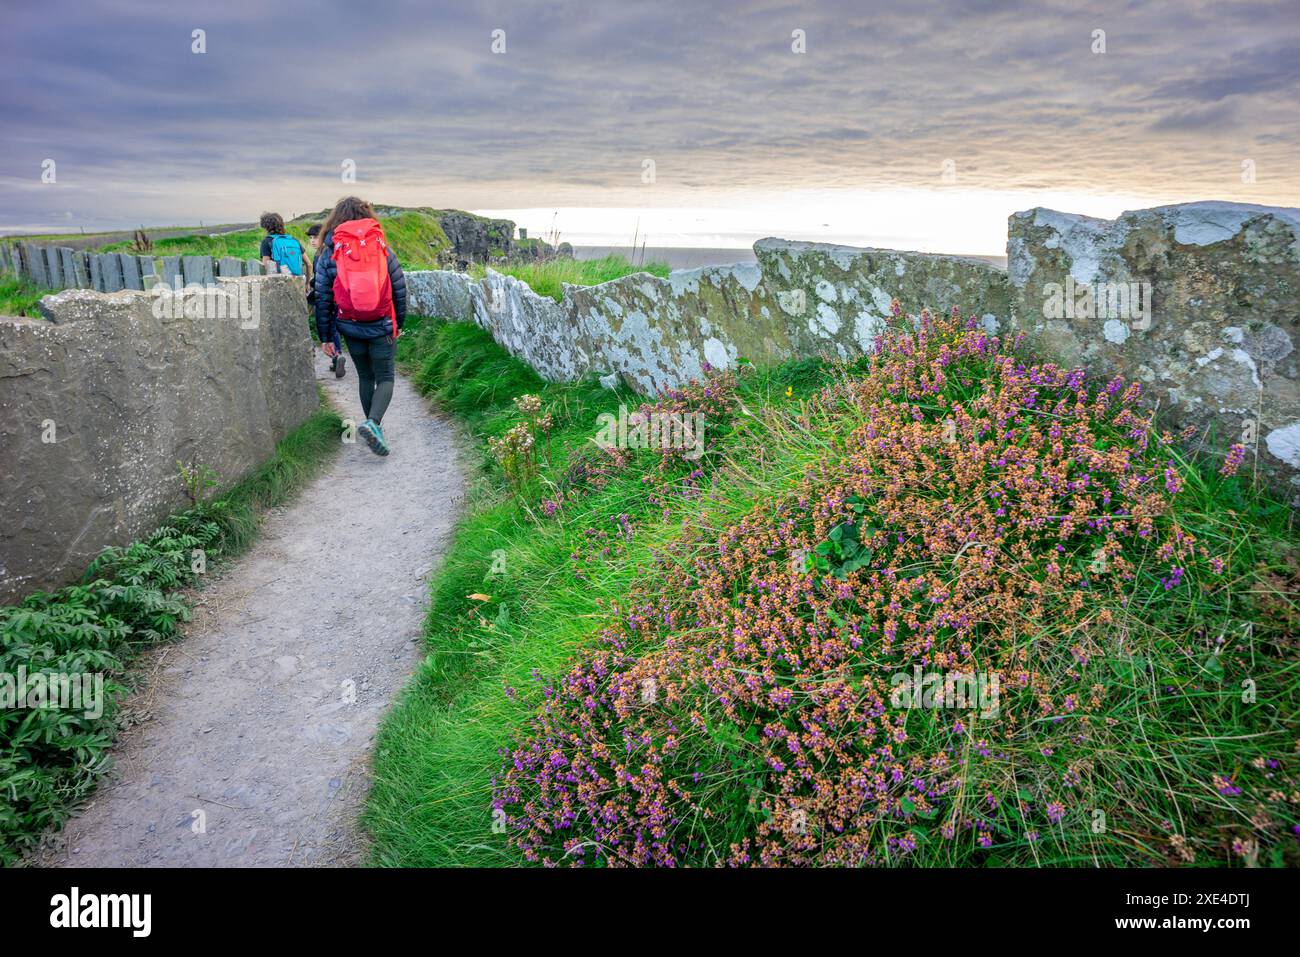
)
(260, 721)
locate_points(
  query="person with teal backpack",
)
(280, 251)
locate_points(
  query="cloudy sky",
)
(915, 124)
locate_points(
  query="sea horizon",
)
(693, 257)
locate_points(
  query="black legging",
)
(373, 359)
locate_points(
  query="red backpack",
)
(362, 289)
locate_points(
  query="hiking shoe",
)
(340, 367)
(373, 436)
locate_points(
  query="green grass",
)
(415, 235)
(417, 238)
(431, 774)
(547, 277)
(458, 365)
(18, 297)
(131, 598)
(244, 244)
(439, 750)
(57, 237)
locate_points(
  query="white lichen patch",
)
(1020, 263)
(1082, 238)
(749, 275)
(883, 300)
(842, 257)
(865, 329)
(1240, 355)
(685, 280)
(1284, 443)
(1115, 331)
(1202, 224)
(715, 353)
(826, 321)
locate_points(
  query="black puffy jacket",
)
(327, 317)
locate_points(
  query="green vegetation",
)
(820, 547)
(438, 749)
(547, 276)
(63, 237)
(243, 244)
(549, 580)
(131, 598)
(416, 237)
(18, 297)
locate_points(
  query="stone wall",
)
(99, 400)
(63, 267)
(1199, 302)
(799, 299)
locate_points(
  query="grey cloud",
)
(1217, 116)
(711, 91)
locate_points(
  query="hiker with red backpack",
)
(338, 365)
(361, 293)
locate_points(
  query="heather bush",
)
(960, 511)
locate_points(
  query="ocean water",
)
(677, 257)
(683, 257)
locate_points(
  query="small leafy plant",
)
(517, 451)
(198, 480)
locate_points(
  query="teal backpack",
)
(286, 252)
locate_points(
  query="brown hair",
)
(273, 223)
(345, 210)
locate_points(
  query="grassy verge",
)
(130, 599)
(547, 277)
(415, 237)
(18, 297)
(649, 661)
(244, 244)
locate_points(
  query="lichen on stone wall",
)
(1200, 302)
(798, 299)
